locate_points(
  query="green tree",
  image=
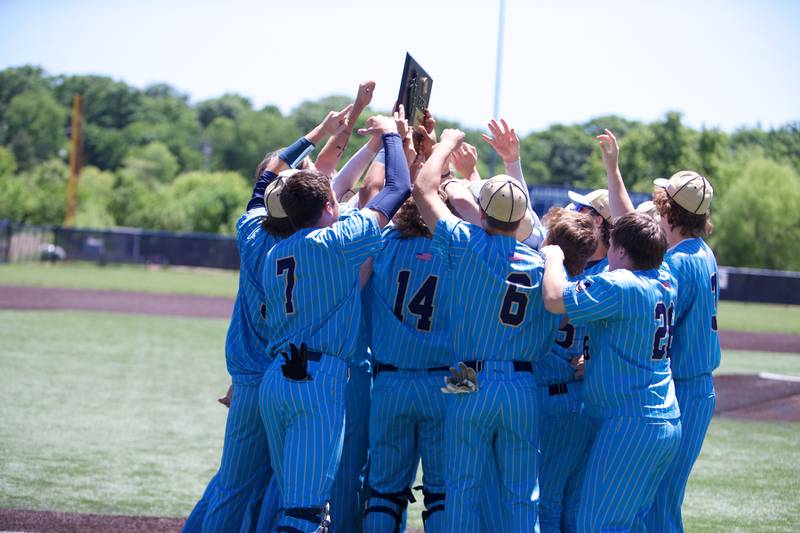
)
(231, 106)
(95, 191)
(106, 103)
(207, 201)
(152, 162)
(758, 223)
(35, 127)
(18, 80)
(668, 148)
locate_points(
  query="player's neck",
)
(599, 253)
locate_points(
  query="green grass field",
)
(732, 315)
(114, 413)
(175, 280)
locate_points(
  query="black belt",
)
(519, 366)
(314, 356)
(558, 388)
(381, 367)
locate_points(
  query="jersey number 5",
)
(422, 302)
(287, 265)
(515, 302)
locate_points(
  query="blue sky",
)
(721, 63)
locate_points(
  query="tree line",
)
(154, 160)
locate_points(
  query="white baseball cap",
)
(689, 190)
(649, 208)
(272, 194)
(503, 198)
(597, 200)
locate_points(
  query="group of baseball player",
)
(551, 374)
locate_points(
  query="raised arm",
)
(426, 187)
(505, 142)
(618, 199)
(460, 197)
(332, 152)
(397, 185)
(554, 279)
(347, 177)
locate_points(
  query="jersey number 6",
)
(515, 302)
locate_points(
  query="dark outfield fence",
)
(120, 245)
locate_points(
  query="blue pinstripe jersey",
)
(311, 286)
(571, 341)
(628, 316)
(407, 294)
(596, 267)
(496, 308)
(246, 343)
(695, 342)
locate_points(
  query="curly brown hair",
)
(575, 233)
(689, 224)
(408, 222)
(279, 227)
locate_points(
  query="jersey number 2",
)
(422, 302)
(287, 265)
(662, 341)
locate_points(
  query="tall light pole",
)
(498, 74)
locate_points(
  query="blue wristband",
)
(293, 154)
(257, 198)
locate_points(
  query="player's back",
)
(407, 294)
(629, 330)
(496, 306)
(246, 342)
(311, 286)
(695, 343)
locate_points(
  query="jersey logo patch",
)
(424, 256)
(517, 257)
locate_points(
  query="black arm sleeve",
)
(397, 186)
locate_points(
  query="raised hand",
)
(452, 138)
(504, 140)
(399, 117)
(465, 159)
(364, 95)
(425, 135)
(379, 125)
(336, 121)
(609, 148)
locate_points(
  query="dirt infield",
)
(46, 521)
(758, 397)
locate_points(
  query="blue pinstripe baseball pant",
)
(347, 493)
(305, 428)
(406, 423)
(627, 461)
(498, 423)
(235, 493)
(696, 398)
(566, 437)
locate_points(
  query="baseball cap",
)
(272, 194)
(648, 208)
(597, 200)
(502, 198)
(689, 190)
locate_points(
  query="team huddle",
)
(551, 374)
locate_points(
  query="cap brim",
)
(661, 182)
(579, 199)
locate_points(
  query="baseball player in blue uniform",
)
(595, 204)
(628, 386)
(235, 498)
(412, 352)
(499, 329)
(683, 202)
(312, 290)
(567, 431)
